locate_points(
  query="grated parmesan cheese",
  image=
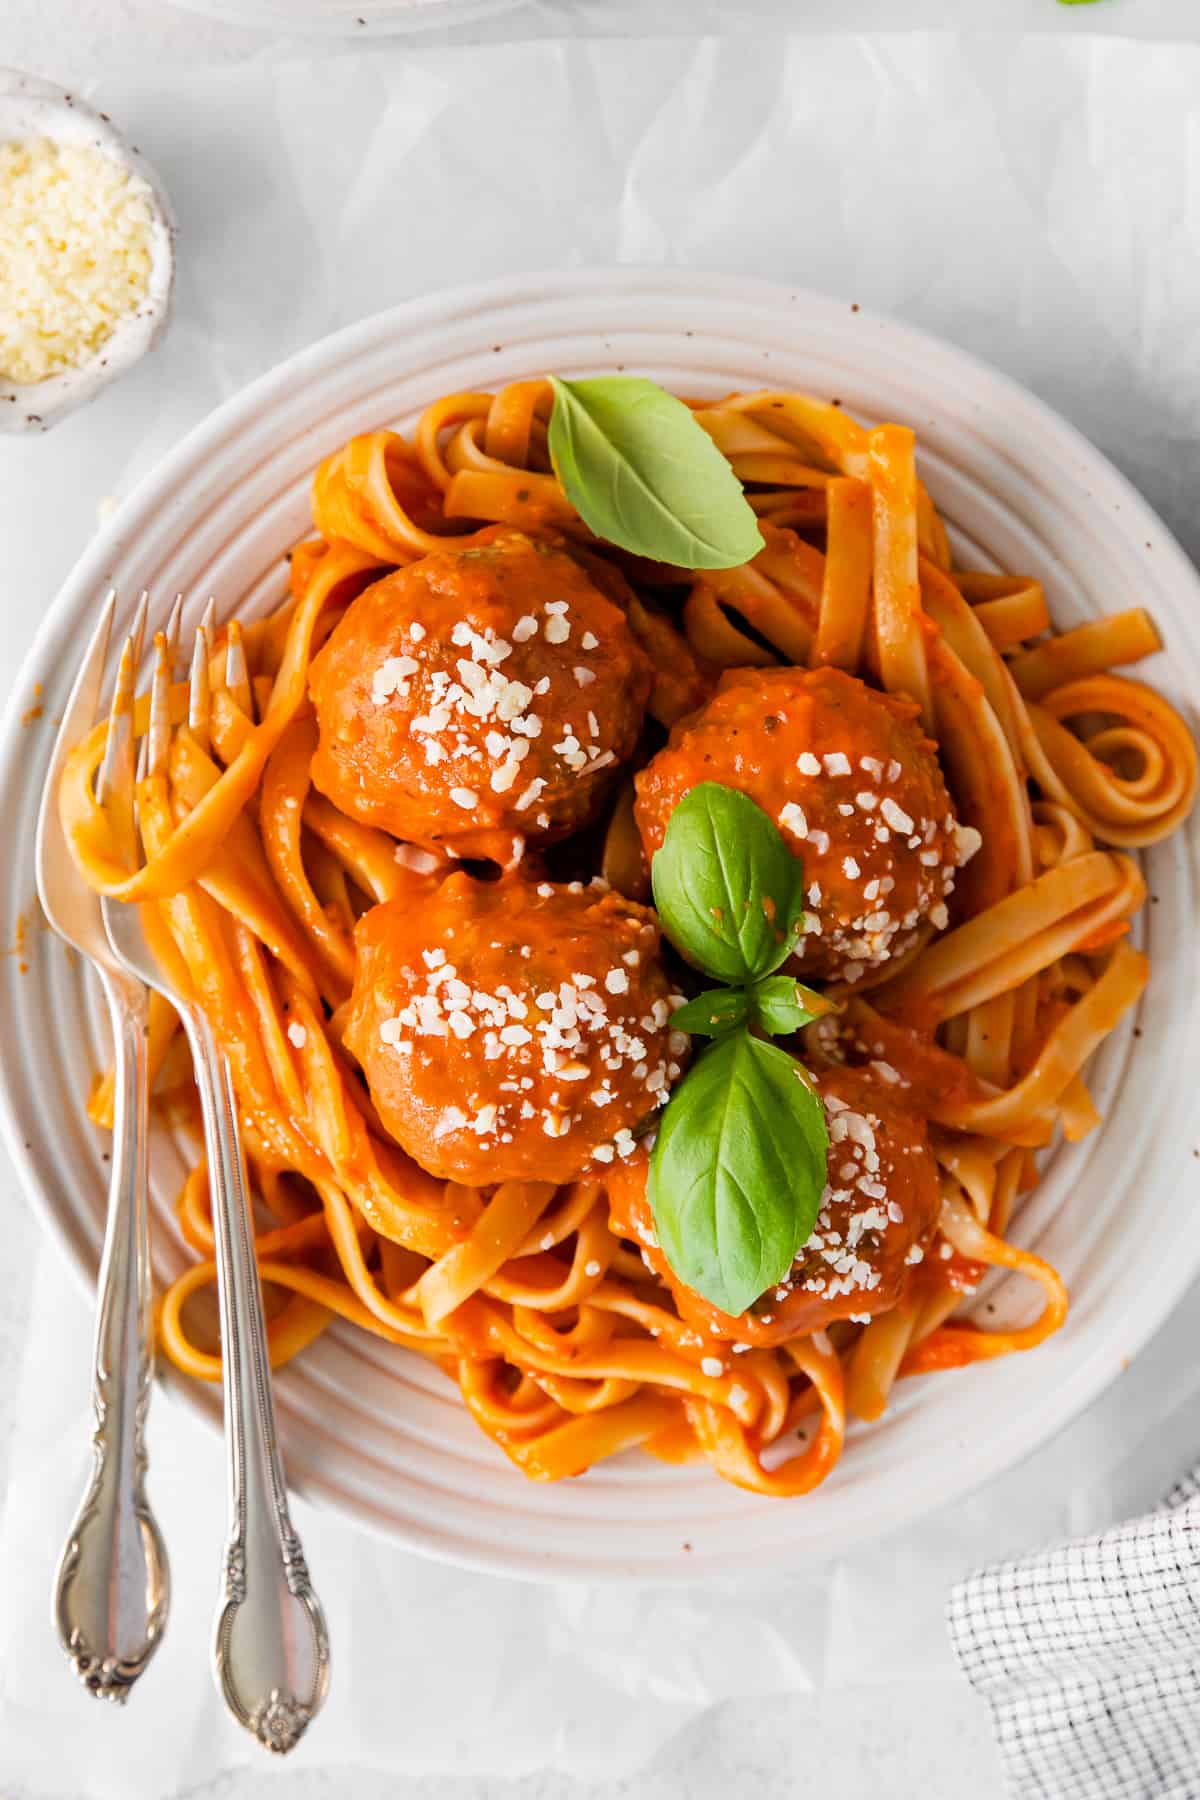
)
(75, 254)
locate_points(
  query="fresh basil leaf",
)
(738, 1169)
(728, 890)
(713, 1012)
(779, 1005)
(641, 473)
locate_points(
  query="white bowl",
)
(376, 1431)
(33, 108)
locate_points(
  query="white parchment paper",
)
(508, 19)
(1034, 198)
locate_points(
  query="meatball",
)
(878, 1212)
(513, 1032)
(854, 787)
(479, 694)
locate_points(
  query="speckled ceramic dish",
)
(380, 1433)
(33, 108)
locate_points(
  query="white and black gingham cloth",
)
(1089, 1656)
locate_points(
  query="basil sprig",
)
(777, 1005)
(738, 1167)
(642, 474)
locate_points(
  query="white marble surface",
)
(923, 1735)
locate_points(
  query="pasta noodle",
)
(533, 1295)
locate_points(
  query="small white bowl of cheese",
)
(87, 253)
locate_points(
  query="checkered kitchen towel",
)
(1089, 1656)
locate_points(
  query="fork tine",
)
(219, 667)
(237, 675)
(114, 783)
(56, 875)
(80, 713)
(198, 692)
(137, 630)
(171, 628)
(158, 736)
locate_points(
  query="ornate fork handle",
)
(112, 1589)
(271, 1652)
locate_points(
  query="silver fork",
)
(112, 1588)
(271, 1648)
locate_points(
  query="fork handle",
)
(271, 1650)
(112, 1588)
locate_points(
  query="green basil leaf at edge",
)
(642, 474)
(780, 1005)
(737, 1171)
(712, 1012)
(729, 892)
